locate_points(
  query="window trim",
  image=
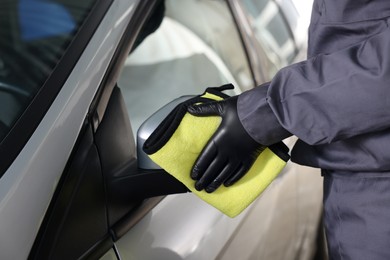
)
(25, 126)
(94, 117)
(99, 104)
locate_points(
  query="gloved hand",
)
(230, 152)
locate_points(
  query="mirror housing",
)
(147, 128)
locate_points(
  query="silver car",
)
(77, 81)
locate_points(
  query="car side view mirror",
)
(130, 176)
(151, 180)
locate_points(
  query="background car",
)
(77, 81)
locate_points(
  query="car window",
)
(196, 46)
(34, 36)
(272, 31)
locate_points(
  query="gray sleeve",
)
(258, 118)
(326, 98)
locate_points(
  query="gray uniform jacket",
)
(337, 102)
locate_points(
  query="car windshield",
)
(34, 37)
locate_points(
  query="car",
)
(80, 79)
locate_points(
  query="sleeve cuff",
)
(258, 118)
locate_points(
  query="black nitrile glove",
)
(230, 152)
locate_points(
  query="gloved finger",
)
(226, 172)
(204, 160)
(206, 109)
(241, 171)
(210, 174)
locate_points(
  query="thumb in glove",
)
(230, 152)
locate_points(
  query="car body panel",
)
(29, 184)
(180, 227)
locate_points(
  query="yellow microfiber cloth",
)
(179, 148)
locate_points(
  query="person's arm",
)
(325, 98)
